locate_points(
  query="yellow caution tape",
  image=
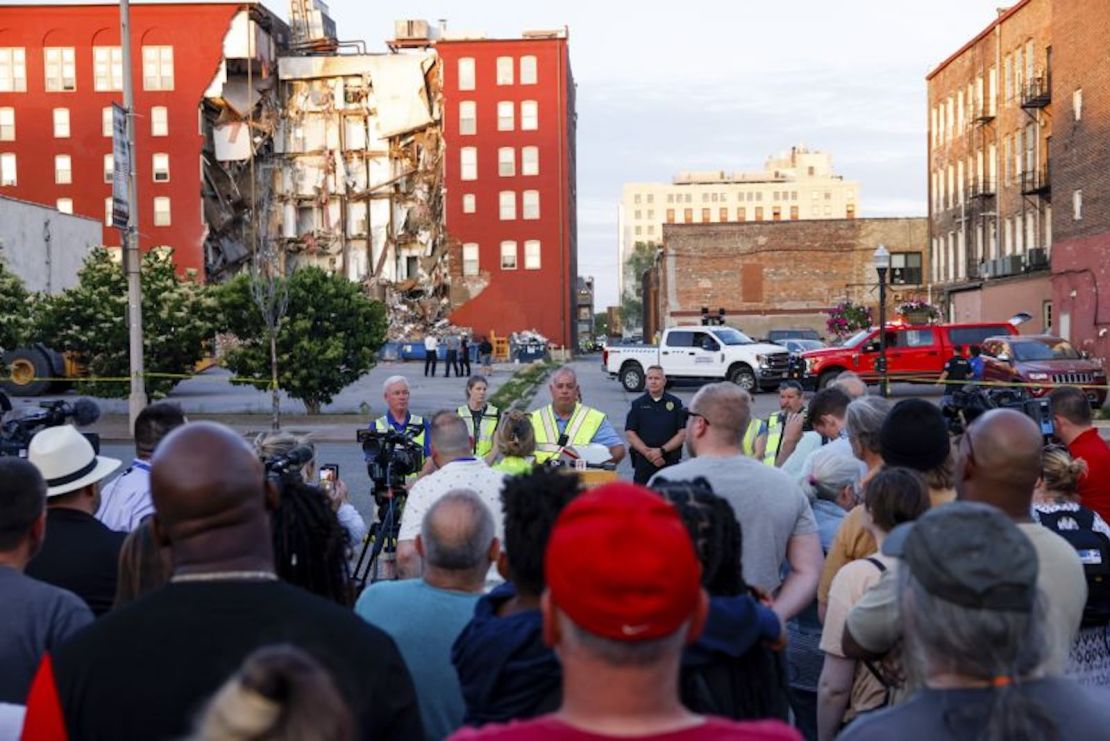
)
(127, 379)
(997, 384)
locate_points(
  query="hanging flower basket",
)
(918, 312)
(847, 318)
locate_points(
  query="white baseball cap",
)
(66, 459)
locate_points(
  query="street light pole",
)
(881, 260)
(131, 261)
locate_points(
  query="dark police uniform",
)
(655, 422)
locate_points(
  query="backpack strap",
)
(870, 665)
(877, 563)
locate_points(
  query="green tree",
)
(632, 301)
(601, 324)
(326, 341)
(90, 320)
(16, 307)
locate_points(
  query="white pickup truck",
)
(707, 353)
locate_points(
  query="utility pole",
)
(137, 400)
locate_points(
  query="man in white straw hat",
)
(80, 553)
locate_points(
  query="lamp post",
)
(881, 260)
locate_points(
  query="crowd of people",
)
(845, 568)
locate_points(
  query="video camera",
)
(964, 406)
(16, 434)
(391, 456)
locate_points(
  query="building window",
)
(7, 169)
(108, 167)
(469, 203)
(162, 211)
(108, 211)
(468, 163)
(528, 70)
(505, 115)
(705, 216)
(637, 215)
(507, 205)
(532, 254)
(63, 169)
(65, 205)
(670, 215)
(107, 68)
(639, 230)
(157, 68)
(905, 268)
(466, 73)
(1077, 104)
(722, 214)
(741, 214)
(759, 213)
(159, 121)
(670, 198)
(161, 166)
(468, 118)
(794, 212)
(530, 206)
(106, 121)
(776, 213)
(529, 116)
(504, 70)
(508, 255)
(61, 69)
(688, 215)
(13, 70)
(61, 123)
(849, 211)
(470, 259)
(530, 161)
(636, 198)
(506, 162)
(1076, 204)
(7, 124)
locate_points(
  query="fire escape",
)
(982, 190)
(1036, 182)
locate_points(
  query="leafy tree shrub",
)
(16, 307)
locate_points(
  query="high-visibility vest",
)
(514, 465)
(483, 437)
(580, 430)
(382, 424)
(774, 438)
(750, 437)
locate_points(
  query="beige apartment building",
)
(799, 184)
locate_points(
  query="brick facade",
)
(785, 274)
(1080, 163)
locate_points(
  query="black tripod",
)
(378, 558)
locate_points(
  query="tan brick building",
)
(781, 274)
(1080, 152)
(990, 195)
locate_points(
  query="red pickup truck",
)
(912, 351)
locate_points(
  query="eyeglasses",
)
(696, 414)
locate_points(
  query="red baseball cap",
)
(620, 564)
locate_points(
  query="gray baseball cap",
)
(969, 554)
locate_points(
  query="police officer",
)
(481, 417)
(655, 427)
(566, 422)
(791, 401)
(396, 393)
(957, 371)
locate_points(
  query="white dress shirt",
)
(126, 500)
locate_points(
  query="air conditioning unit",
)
(986, 269)
(1010, 265)
(1036, 258)
(409, 30)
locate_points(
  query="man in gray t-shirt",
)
(775, 518)
(36, 617)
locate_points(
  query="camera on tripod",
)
(967, 404)
(16, 434)
(391, 456)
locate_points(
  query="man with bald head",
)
(454, 466)
(425, 616)
(999, 464)
(144, 670)
(567, 422)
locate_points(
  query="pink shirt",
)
(550, 728)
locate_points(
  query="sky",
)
(671, 86)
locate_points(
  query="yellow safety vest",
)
(750, 437)
(514, 465)
(774, 435)
(580, 430)
(381, 424)
(483, 438)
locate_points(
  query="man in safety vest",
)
(396, 393)
(566, 422)
(791, 402)
(481, 417)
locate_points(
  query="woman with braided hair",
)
(735, 669)
(310, 545)
(515, 441)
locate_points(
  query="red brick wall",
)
(1081, 161)
(778, 274)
